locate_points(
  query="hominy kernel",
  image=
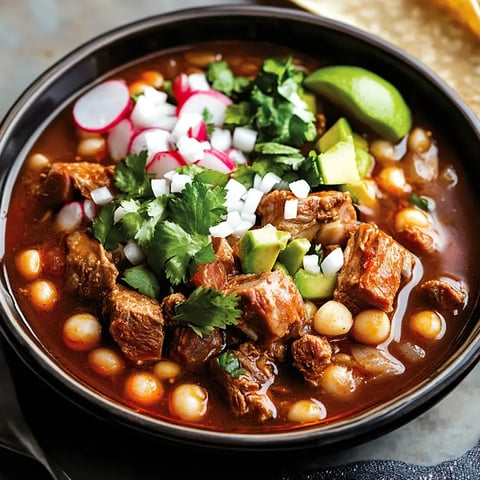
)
(29, 263)
(371, 327)
(306, 411)
(426, 323)
(188, 402)
(144, 388)
(82, 331)
(43, 294)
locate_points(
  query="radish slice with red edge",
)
(198, 132)
(119, 138)
(164, 162)
(217, 160)
(211, 101)
(181, 87)
(102, 107)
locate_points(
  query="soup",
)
(185, 252)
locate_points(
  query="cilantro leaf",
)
(230, 363)
(131, 177)
(173, 249)
(142, 279)
(208, 308)
(222, 78)
(199, 207)
(105, 230)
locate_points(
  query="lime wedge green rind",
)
(364, 95)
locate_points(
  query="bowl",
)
(330, 42)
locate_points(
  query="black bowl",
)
(305, 33)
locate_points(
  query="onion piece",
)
(333, 262)
(310, 263)
(69, 217)
(376, 361)
(102, 107)
(211, 101)
(101, 195)
(133, 252)
(300, 188)
(244, 139)
(290, 209)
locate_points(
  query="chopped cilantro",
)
(229, 362)
(222, 79)
(207, 308)
(142, 279)
(424, 203)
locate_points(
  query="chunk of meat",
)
(311, 354)
(136, 324)
(88, 267)
(192, 351)
(246, 386)
(216, 274)
(375, 265)
(417, 240)
(313, 212)
(448, 295)
(64, 179)
(271, 304)
(169, 303)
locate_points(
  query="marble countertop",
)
(36, 33)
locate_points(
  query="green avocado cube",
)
(292, 256)
(338, 132)
(314, 286)
(259, 248)
(338, 164)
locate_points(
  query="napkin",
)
(467, 467)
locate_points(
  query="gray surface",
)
(36, 33)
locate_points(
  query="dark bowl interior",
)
(301, 31)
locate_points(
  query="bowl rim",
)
(376, 420)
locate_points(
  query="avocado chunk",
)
(362, 192)
(338, 164)
(314, 286)
(259, 248)
(338, 132)
(292, 256)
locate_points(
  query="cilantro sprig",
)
(207, 308)
(172, 229)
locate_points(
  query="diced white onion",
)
(89, 209)
(221, 139)
(300, 188)
(333, 262)
(237, 156)
(118, 214)
(290, 209)
(233, 218)
(191, 149)
(160, 186)
(70, 217)
(244, 138)
(249, 217)
(310, 263)
(223, 229)
(257, 180)
(268, 182)
(235, 205)
(198, 81)
(156, 97)
(179, 181)
(101, 195)
(235, 189)
(243, 227)
(133, 252)
(184, 123)
(252, 200)
(157, 140)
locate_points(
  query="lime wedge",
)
(365, 96)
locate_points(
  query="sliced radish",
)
(119, 139)
(198, 81)
(198, 132)
(186, 122)
(181, 87)
(211, 101)
(217, 160)
(163, 162)
(102, 107)
(152, 140)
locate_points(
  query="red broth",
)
(30, 225)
